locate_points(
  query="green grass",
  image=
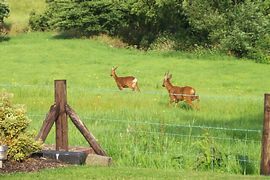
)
(86, 172)
(141, 129)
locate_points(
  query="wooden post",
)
(61, 122)
(48, 123)
(85, 132)
(265, 153)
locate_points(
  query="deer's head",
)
(166, 79)
(113, 70)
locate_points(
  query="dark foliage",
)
(237, 27)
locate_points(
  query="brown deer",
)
(125, 82)
(177, 93)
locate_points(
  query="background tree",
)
(236, 27)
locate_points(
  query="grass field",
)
(141, 129)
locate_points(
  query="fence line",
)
(183, 135)
(190, 156)
(160, 124)
(149, 92)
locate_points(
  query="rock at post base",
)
(97, 160)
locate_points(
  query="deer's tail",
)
(135, 84)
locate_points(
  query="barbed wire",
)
(173, 125)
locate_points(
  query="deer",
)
(176, 93)
(125, 82)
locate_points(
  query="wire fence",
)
(143, 92)
(170, 145)
(177, 145)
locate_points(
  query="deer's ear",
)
(170, 76)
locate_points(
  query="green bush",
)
(237, 27)
(39, 22)
(13, 130)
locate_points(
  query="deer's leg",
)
(197, 107)
(189, 101)
(137, 87)
(172, 98)
(120, 87)
(134, 86)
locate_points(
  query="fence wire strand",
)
(146, 92)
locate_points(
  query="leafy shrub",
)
(13, 130)
(238, 27)
(261, 50)
(39, 22)
(247, 25)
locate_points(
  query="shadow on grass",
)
(72, 34)
(4, 38)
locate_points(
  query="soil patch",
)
(31, 164)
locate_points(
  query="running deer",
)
(125, 82)
(177, 93)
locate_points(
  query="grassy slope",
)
(225, 87)
(231, 96)
(19, 13)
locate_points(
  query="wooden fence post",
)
(48, 123)
(265, 153)
(84, 131)
(61, 122)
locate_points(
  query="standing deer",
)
(177, 93)
(125, 82)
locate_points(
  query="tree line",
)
(236, 27)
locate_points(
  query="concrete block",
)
(97, 160)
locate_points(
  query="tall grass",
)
(142, 129)
(19, 13)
